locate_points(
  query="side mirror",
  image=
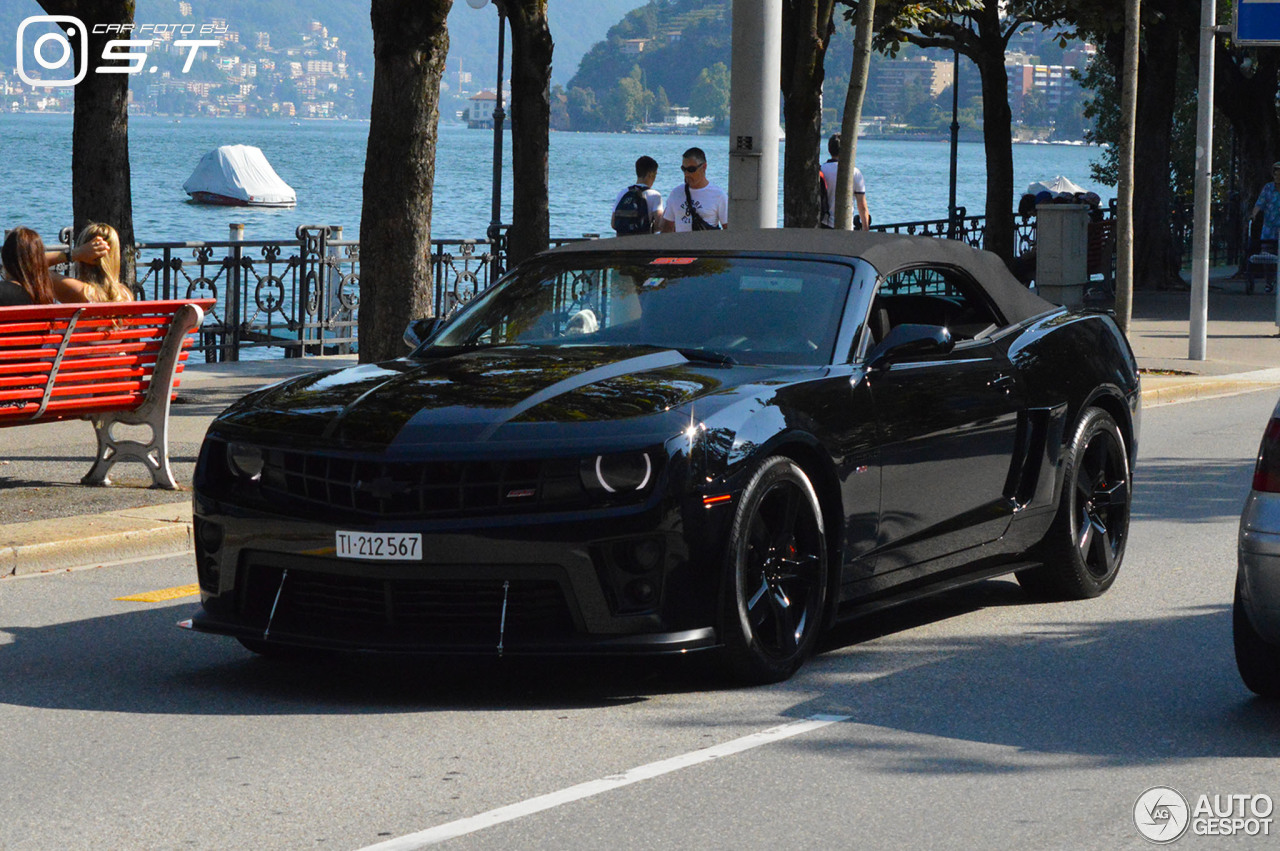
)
(420, 330)
(911, 341)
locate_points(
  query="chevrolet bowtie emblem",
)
(383, 487)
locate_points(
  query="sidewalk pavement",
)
(49, 521)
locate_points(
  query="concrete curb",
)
(40, 546)
(1155, 394)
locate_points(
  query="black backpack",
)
(632, 213)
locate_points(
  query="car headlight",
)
(625, 472)
(245, 460)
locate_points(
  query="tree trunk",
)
(864, 20)
(1155, 257)
(531, 48)
(410, 43)
(997, 137)
(806, 34)
(100, 187)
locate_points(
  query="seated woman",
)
(26, 263)
(97, 256)
(27, 269)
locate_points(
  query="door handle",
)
(1003, 381)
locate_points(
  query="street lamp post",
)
(953, 225)
(495, 204)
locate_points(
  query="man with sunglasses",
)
(696, 196)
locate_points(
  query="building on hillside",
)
(1055, 85)
(634, 46)
(480, 110)
(891, 81)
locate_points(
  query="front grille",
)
(376, 488)
(403, 612)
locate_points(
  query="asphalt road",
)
(974, 720)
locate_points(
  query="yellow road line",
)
(163, 594)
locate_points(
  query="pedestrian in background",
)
(1268, 204)
(828, 174)
(638, 208)
(697, 203)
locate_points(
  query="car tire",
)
(1082, 551)
(775, 588)
(1257, 659)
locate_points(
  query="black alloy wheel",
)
(1085, 545)
(776, 583)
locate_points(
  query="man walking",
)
(696, 204)
(830, 171)
(638, 208)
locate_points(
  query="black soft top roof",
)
(886, 252)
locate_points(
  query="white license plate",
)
(380, 546)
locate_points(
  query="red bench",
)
(113, 363)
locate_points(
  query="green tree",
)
(710, 95)
(584, 112)
(661, 105)
(410, 44)
(980, 30)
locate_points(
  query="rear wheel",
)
(776, 587)
(1084, 546)
(1257, 659)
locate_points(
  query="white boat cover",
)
(240, 172)
(1058, 185)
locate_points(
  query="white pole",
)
(754, 104)
(1204, 167)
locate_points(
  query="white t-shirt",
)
(651, 196)
(830, 171)
(711, 202)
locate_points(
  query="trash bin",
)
(1062, 253)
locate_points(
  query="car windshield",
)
(730, 309)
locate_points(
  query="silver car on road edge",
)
(1256, 612)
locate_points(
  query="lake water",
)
(324, 162)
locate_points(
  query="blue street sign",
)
(1257, 22)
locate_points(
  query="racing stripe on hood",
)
(644, 363)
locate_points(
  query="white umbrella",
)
(1056, 185)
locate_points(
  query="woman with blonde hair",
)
(101, 270)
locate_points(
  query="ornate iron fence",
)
(302, 296)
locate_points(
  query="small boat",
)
(238, 176)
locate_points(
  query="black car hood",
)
(506, 394)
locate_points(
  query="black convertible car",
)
(721, 441)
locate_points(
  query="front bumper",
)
(545, 585)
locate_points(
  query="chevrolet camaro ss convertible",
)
(718, 442)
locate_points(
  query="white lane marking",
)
(461, 827)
